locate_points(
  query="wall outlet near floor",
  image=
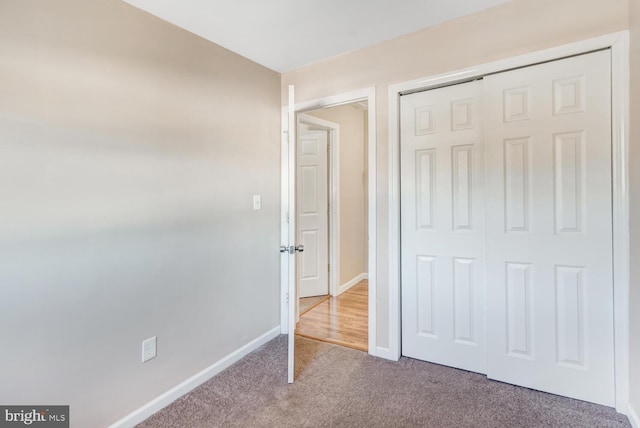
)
(149, 348)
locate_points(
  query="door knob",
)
(291, 249)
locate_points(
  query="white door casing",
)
(312, 210)
(549, 227)
(288, 186)
(442, 227)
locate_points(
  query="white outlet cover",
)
(149, 349)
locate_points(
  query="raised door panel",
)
(570, 315)
(519, 310)
(569, 182)
(309, 189)
(425, 186)
(462, 188)
(517, 104)
(426, 303)
(309, 266)
(569, 95)
(517, 184)
(464, 326)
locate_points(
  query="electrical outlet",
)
(149, 348)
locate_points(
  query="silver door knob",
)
(284, 249)
(299, 248)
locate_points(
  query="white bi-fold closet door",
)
(443, 227)
(506, 227)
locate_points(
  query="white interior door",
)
(292, 298)
(312, 210)
(442, 227)
(549, 227)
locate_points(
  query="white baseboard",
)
(193, 382)
(347, 285)
(633, 416)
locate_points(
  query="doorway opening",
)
(332, 224)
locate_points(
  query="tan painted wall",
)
(514, 28)
(353, 211)
(634, 148)
(129, 154)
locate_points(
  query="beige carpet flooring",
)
(340, 387)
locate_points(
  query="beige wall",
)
(129, 154)
(353, 208)
(634, 148)
(517, 27)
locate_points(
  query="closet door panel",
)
(549, 227)
(442, 227)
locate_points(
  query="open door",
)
(289, 249)
(312, 207)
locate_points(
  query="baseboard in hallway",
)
(353, 281)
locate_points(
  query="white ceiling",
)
(286, 34)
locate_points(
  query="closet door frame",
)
(618, 43)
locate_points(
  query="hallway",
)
(342, 320)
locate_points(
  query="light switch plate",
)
(257, 202)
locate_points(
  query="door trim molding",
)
(334, 196)
(365, 94)
(618, 43)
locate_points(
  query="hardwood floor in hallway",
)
(308, 303)
(342, 320)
